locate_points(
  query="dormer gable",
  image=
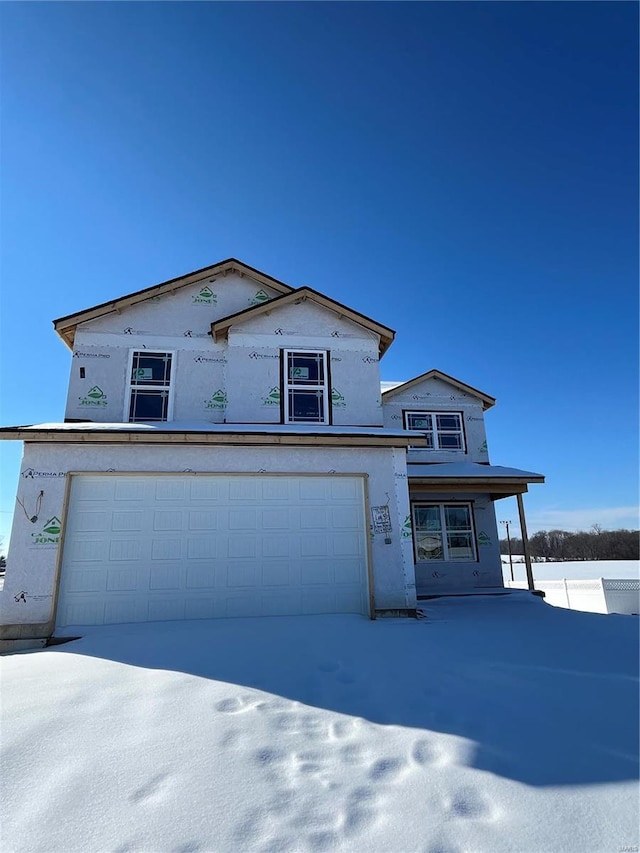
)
(457, 387)
(220, 328)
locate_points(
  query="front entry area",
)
(141, 548)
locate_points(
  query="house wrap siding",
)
(180, 323)
(434, 395)
(34, 554)
(434, 576)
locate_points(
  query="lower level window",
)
(443, 532)
(150, 386)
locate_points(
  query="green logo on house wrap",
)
(406, 529)
(483, 539)
(483, 447)
(50, 532)
(218, 400)
(94, 397)
(337, 400)
(259, 297)
(272, 398)
(206, 296)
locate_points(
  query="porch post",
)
(525, 542)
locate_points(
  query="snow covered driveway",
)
(495, 724)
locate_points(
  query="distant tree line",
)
(595, 544)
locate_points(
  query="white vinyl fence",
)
(598, 595)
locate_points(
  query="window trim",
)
(285, 386)
(434, 431)
(445, 545)
(130, 387)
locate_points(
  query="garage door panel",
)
(92, 522)
(166, 549)
(125, 549)
(203, 519)
(346, 572)
(316, 572)
(347, 518)
(342, 488)
(205, 546)
(85, 550)
(127, 520)
(120, 610)
(204, 489)
(166, 577)
(201, 577)
(199, 548)
(123, 580)
(170, 489)
(277, 574)
(314, 545)
(243, 519)
(165, 609)
(276, 519)
(275, 489)
(346, 544)
(276, 546)
(168, 519)
(130, 488)
(243, 489)
(93, 489)
(242, 574)
(85, 580)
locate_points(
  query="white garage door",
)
(148, 548)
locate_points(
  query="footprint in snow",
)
(236, 705)
(387, 769)
(470, 804)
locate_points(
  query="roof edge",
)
(387, 335)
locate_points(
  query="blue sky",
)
(466, 173)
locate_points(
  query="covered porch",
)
(454, 528)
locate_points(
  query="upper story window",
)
(443, 429)
(306, 387)
(150, 386)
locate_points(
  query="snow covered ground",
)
(576, 569)
(494, 724)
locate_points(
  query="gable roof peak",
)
(487, 400)
(66, 326)
(220, 328)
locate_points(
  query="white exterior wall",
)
(230, 380)
(253, 367)
(179, 323)
(28, 594)
(441, 575)
(435, 395)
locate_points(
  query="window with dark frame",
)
(150, 385)
(443, 430)
(306, 393)
(443, 531)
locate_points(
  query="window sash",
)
(306, 387)
(443, 532)
(444, 430)
(150, 388)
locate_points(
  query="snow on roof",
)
(208, 427)
(470, 470)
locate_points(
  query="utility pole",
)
(506, 524)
